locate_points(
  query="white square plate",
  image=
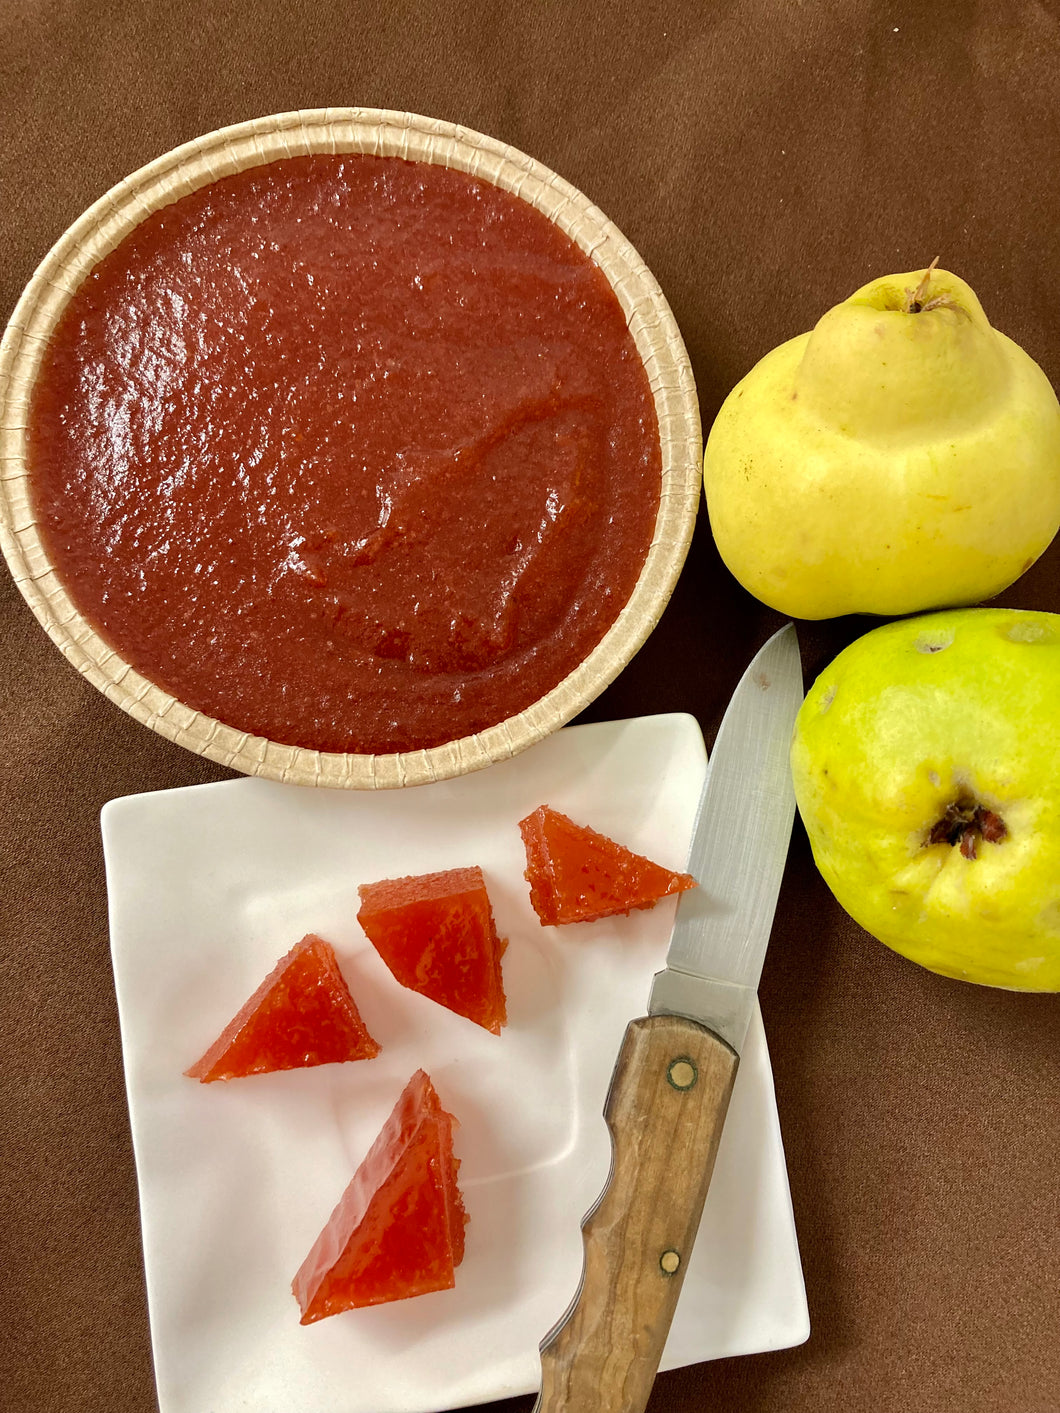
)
(210, 885)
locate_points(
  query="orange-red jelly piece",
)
(436, 933)
(578, 875)
(302, 1014)
(398, 1230)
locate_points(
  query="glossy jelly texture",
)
(578, 875)
(349, 452)
(302, 1014)
(398, 1230)
(436, 933)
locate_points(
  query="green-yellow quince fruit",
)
(901, 456)
(926, 763)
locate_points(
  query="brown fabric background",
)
(766, 159)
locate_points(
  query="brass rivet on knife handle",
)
(666, 1107)
(682, 1073)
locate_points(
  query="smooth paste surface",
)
(349, 452)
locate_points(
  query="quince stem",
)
(915, 299)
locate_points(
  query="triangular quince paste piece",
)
(436, 933)
(578, 875)
(398, 1230)
(302, 1014)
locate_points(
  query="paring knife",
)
(671, 1085)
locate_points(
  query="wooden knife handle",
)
(665, 1109)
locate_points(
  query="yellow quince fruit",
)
(903, 455)
(927, 774)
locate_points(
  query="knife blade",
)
(675, 1070)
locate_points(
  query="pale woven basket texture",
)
(384, 133)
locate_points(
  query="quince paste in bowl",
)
(348, 457)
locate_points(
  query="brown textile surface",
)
(765, 159)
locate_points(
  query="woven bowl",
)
(383, 133)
